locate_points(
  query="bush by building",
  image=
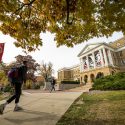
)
(111, 82)
(70, 82)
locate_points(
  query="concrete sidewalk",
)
(39, 108)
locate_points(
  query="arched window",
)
(92, 77)
(113, 72)
(99, 75)
(85, 79)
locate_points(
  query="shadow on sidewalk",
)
(31, 116)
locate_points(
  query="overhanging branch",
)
(68, 13)
(25, 4)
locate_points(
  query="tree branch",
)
(24, 4)
(68, 13)
(67, 20)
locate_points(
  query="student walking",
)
(53, 82)
(17, 83)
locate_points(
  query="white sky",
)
(59, 57)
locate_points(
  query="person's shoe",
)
(18, 108)
(1, 109)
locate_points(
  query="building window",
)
(98, 59)
(113, 72)
(85, 66)
(91, 62)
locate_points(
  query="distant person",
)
(53, 82)
(17, 83)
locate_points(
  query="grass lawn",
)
(96, 108)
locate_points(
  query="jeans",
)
(52, 87)
(16, 96)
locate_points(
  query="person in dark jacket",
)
(17, 82)
(53, 82)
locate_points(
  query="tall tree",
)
(46, 70)
(31, 64)
(3, 73)
(32, 68)
(72, 21)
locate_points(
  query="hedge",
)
(111, 82)
(70, 82)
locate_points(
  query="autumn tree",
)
(3, 73)
(46, 70)
(31, 64)
(72, 21)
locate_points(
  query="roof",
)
(118, 43)
(69, 68)
(114, 45)
(92, 46)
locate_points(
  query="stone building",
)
(69, 74)
(97, 60)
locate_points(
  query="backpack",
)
(13, 73)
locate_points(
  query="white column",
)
(105, 57)
(81, 65)
(87, 61)
(110, 57)
(93, 56)
(100, 52)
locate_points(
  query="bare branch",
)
(24, 4)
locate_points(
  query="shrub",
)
(36, 86)
(28, 86)
(8, 88)
(111, 82)
(107, 86)
(119, 85)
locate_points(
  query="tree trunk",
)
(47, 86)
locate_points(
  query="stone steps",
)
(82, 88)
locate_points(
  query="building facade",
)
(69, 74)
(97, 60)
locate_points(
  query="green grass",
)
(96, 108)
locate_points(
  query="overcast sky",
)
(59, 57)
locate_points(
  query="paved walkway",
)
(40, 108)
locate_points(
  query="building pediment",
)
(89, 47)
